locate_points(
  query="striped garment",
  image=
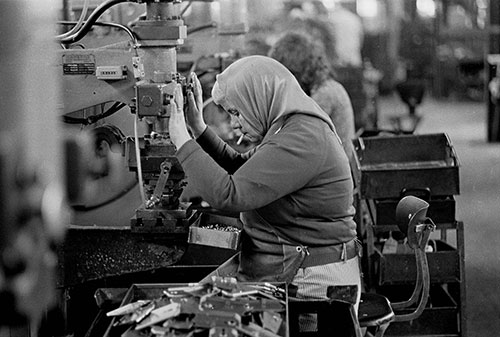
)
(312, 282)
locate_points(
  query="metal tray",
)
(272, 320)
(441, 210)
(444, 266)
(441, 317)
(387, 165)
(216, 231)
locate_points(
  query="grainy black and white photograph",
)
(249, 168)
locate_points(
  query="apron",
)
(264, 255)
(267, 257)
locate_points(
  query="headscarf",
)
(263, 91)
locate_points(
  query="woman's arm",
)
(227, 157)
(279, 167)
(220, 151)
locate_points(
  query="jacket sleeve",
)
(223, 154)
(282, 165)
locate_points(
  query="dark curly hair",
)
(305, 58)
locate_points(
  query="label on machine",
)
(111, 72)
(78, 64)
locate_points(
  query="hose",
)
(117, 196)
(91, 21)
(138, 159)
(117, 106)
(78, 24)
(186, 8)
(130, 33)
(202, 27)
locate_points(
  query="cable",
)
(117, 106)
(107, 24)
(91, 21)
(186, 8)
(73, 45)
(138, 159)
(202, 27)
(78, 24)
(106, 202)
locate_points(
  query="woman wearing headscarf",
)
(293, 190)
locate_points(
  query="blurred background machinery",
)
(119, 64)
(33, 204)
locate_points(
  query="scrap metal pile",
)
(221, 307)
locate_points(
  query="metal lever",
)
(160, 185)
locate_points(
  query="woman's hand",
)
(194, 113)
(177, 124)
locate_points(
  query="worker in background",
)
(311, 18)
(294, 190)
(348, 31)
(307, 61)
(347, 28)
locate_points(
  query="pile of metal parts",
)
(221, 227)
(220, 307)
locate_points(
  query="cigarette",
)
(240, 139)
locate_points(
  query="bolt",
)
(146, 101)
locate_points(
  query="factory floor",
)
(478, 204)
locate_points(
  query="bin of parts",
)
(387, 165)
(216, 230)
(220, 307)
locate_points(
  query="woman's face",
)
(240, 124)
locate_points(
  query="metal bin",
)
(216, 231)
(444, 266)
(386, 165)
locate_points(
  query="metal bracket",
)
(160, 185)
